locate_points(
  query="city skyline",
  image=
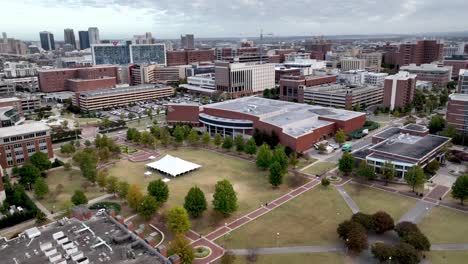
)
(243, 18)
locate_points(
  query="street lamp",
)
(347, 240)
(389, 259)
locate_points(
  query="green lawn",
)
(371, 200)
(299, 258)
(304, 162)
(310, 219)
(445, 226)
(70, 180)
(320, 168)
(251, 184)
(443, 257)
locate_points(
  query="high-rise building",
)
(147, 38)
(84, 40)
(47, 40)
(239, 79)
(419, 52)
(94, 35)
(437, 75)
(148, 53)
(110, 54)
(456, 112)
(399, 89)
(463, 81)
(69, 37)
(318, 48)
(4, 37)
(348, 64)
(457, 62)
(187, 41)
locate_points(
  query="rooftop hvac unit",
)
(57, 235)
(46, 246)
(77, 255)
(50, 252)
(57, 256)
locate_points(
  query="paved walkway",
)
(41, 207)
(349, 201)
(284, 250)
(418, 212)
(207, 241)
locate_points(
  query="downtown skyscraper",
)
(47, 40)
(69, 37)
(84, 39)
(93, 35)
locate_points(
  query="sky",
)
(121, 19)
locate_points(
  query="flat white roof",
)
(173, 166)
(23, 129)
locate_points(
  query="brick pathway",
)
(217, 251)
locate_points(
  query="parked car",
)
(334, 146)
(346, 147)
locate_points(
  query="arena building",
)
(298, 126)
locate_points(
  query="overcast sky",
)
(120, 19)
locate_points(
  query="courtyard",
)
(250, 183)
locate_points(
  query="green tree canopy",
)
(436, 124)
(460, 188)
(148, 207)
(159, 190)
(415, 177)
(206, 138)
(28, 174)
(40, 160)
(279, 155)
(41, 188)
(346, 163)
(276, 174)
(366, 171)
(193, 137)
(264, 157)
(181, 246)
(178, 220)
(218, 140)
(340, 136)
(79, 197)
(195, 202)
(224, 198)
(134, 196)
(388, 171)
(251, 147)
(239, 143)
(228, 142)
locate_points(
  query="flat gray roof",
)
(125, 89)
(391, 131)
(410, 146)
(295, 119)
(416, 127)
(23, 129)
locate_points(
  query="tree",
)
(206, 138)
(224, 198)
(102, 179)
(148, 207)
(276, 174)
(79, 197)
(251, 147)
(382, 252)
(388, 171)
(356, 239)
(228, 142)
(365, 220)
(41, 188)
(406, 254)
(279, 155)
(218, 140)
(122, 189)
(179, 134)
(181, 246)
(325, 182)
(29, 173)
(41, 218)
(415, 177)
(383, 222)
(40, 160)
(293, 160)
(134, 196)
(195, 202)
(111, 186)
(405, 228)
(340, 136)
(193, 137)
(239, 143)
(322, 148)
(418, 240)
(366, 171)
(264, 157)
(460, 188)
(159, 190)
(178, 220)
(432, 167)
(67, 148)
(450, 131)
(346, 163)
(436, 124)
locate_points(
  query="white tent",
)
(173, 166)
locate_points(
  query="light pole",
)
(347, 240)
(389, 259)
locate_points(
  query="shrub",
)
(383, 222)
(406, 254)
(364, 219)
(382, 251)
(357, 238)
(325, 182)
(404, 228)
(418, 240)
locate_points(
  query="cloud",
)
(209, 18)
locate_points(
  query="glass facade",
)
(150, 53)
(111, 54)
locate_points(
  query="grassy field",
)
(299, 258)
(445, 226)
(320, 168)
(251, 184)
(371, 200)
(443, 257)
(304, 162)
(310, 219)
(70, 180)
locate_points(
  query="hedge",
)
(107, 206)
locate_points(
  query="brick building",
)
(437, 75)
(289, 85)
(17, 143)
(399, 90)
(457, 63)
(318, 48)
(281, 72)
(419, 52)
(457, 115)
(184, 57)
(89, 78)
(298, 126)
